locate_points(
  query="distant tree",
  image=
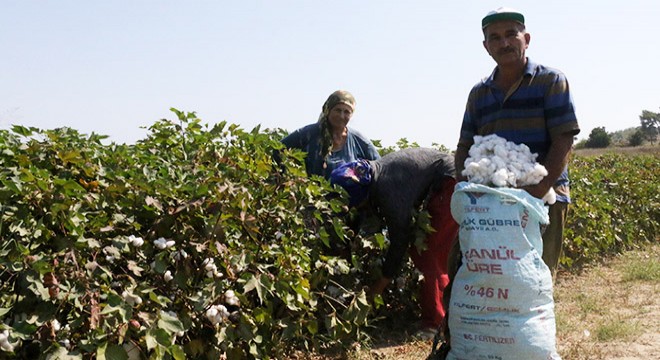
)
(637, 138)
(622, 137)
(598, 138)
(650, 124)
(580, 144)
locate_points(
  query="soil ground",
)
(603, 312)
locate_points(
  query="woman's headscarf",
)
(337, 97)
(355, 178)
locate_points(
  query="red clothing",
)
(432, 262)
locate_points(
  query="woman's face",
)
(339, 116)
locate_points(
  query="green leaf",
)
(159, 299)
(254, 284)
(177, 352)
(22, 130)
(116, 352)
(169, 323)
(313, 327)
(62, 353)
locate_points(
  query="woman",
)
(330, 142)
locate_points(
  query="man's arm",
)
(459, 161)
(555, 162)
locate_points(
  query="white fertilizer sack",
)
(501, 305)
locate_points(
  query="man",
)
(392, 187)
(524, 102)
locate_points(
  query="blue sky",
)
(111, 67)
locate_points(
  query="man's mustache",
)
(506, 50)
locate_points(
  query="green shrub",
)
(616, 204)
(234, 256)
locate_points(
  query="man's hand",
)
(538, 191)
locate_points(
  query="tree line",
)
(647, 132)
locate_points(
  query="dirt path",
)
(609, 311)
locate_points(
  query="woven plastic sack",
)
(501, 305)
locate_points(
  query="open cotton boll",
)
(550, 197)
(493, 161)
(500, 177)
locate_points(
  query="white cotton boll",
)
(160, 243)
(471, 168)
(511, 179)
(6, 346)
(131, 299)
(484, 162)
(501, 151)
(499, 178)
(217, 313)
(540, 170)
(180, 255)
(231, 298)
(498, 162)
(136, 240)
(212, 312)
(210, 266)
(495, 161)
(478, 180)
(550, 197)
(233, 301)
(56, 325)
(168, 276)
(170, 243)
(223, 312)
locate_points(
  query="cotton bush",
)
(136, 244)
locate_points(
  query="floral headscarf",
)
(337, 97)
(354, 177)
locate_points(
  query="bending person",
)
(393, 187)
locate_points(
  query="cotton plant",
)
(494, 161)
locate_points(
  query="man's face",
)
(506, 42)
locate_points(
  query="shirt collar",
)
(530, 70)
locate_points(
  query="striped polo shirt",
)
(538, 107)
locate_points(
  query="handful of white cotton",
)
(493, 161)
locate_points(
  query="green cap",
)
(502, 14)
